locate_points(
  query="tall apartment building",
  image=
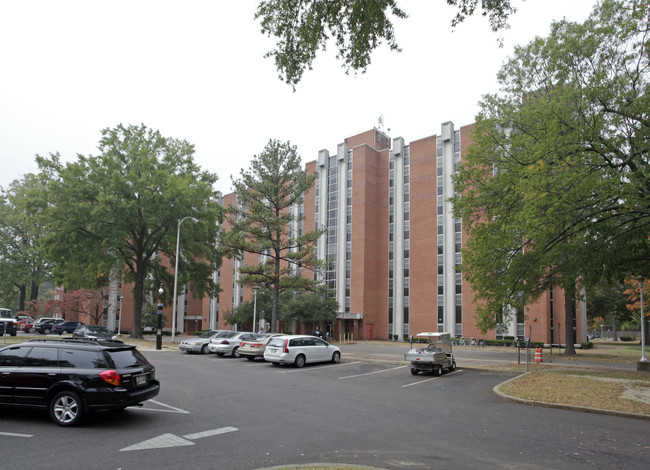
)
(393, 244)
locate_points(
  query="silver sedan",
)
(199, 344)
(229, 343)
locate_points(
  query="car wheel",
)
(336, 357)
(453, 366)
(250, 358)
(31, 330)
(235, 352)
(47, 331)
(66, 409)
(300, 361)
(204, 349)
(414, 372)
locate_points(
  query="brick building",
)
(393, 245)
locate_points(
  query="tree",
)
(23, 261)
(118, 213)
(263, 222)
(609, 301)
(317, 306)
(555, 188)
(303, 27)
(633, 293)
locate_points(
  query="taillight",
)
(242, 344)
(225, 341)
(112, 377)
(286, 345)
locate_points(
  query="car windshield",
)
(276, 342)
(97, 329)
(127, 358)
(225, 334)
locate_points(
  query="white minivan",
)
(299, 350)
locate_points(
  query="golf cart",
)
(436, 355)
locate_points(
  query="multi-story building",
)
(393, 246)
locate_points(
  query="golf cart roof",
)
(434, 334)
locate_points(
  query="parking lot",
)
(232, 413)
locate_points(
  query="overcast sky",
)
(194, 70)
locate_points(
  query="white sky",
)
(194, 70)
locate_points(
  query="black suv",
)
(72, 377)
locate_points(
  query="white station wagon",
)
(299, 350)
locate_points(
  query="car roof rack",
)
(116, 342)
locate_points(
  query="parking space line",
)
(429, 380)
(340, 364)
(15, 434)
(171, 409)
(371, 373)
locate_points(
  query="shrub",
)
(586, 345)
(627, 338)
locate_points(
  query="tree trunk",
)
(614, 327)
(138, 297)
(34, 291)
(569, 321)
(23, 296)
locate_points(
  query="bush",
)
(627, 338)
(586, 345)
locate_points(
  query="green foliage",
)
(586, 345)
(116, 214)
(302, 28)
(555, 189)
(23, 260)
(266, 222)
(627, 338)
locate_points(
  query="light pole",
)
(255, 289)
(643, 358)
(159, 324)
(178, 240)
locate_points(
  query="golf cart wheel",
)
(414, 372)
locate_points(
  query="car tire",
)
(66, 408)
(47, 331)
(235, 352)
(300, 361)
(204, 349)
(336, 357)
(31, 330)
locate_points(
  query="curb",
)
(584, 409)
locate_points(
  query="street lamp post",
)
(159, 324)
(178, 240)
(643, 361)
(255, 289)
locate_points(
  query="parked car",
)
(299, 350)
(7, 326)
(66, 327)
(26, 325)
(254, 347)
(228, 343)
(45, 325)
(93, 332)
(198, 344)
(71, 378)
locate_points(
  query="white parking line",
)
(340, 364)
(371, 373)
(170, 410)
(213, 432)
(429, 380)
(15, 434)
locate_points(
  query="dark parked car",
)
(73, 377)
(66, 327)
(45, 325)
(93, 332)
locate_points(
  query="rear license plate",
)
(272, 350)
(140, 379)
